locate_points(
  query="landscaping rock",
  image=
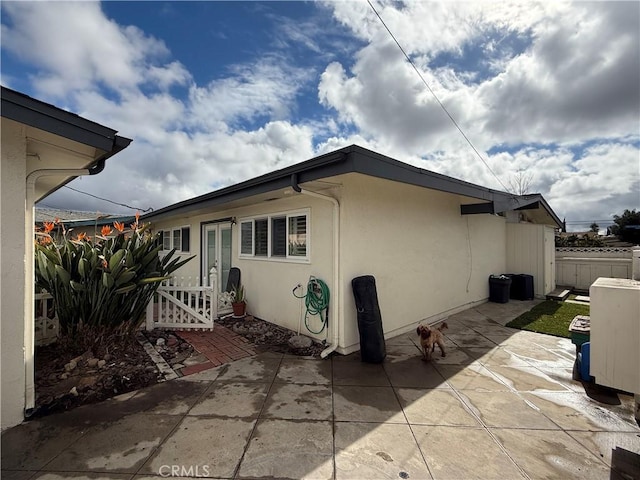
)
(160, 342)
(74, 392)
(69, 367)
(101, 363)
(64, 376)
(92, 363)
(300, 341)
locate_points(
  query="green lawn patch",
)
(550, 317)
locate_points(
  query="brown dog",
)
(429, 337)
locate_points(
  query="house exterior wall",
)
(12, 310)
(531, 250)
(428, 259)
(269, 283)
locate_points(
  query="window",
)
(260, 237)
(178, 238)
(277, 236)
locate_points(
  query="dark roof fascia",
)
(44, 116)
(327, 165)
(351, 159)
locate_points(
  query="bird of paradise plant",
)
(101, 289)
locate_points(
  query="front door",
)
(216, 252)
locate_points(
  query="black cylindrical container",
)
(372, 347)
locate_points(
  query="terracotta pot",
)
(238, 309)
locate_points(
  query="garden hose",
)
(316, 300)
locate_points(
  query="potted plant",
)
(239, 303)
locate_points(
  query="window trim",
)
(269, 217)
(169, 233)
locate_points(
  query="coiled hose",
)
(316, 300)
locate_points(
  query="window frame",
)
(286, 215)
(168, 236)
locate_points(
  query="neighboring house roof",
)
(35, 113)
(355, 159)
(75, 218)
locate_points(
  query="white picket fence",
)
(182, 303)
(47, 325)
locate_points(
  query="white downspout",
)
(29, 337)
(336, 302)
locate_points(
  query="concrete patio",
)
(501, 404)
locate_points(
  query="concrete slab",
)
(170, 398)
(526, 379)
(232, 399)
(453, 453)
(539, 356)
(576, 411)
(505, 409)
(295, 401)
(260, 369)
(214, 445)
(289, 449)
(435, 407)
(359, 373)
(404, 339)
(369, 450)
(619, 450)
(17, 474)
(470, 340)
(366, 404)
(80, 476)
(499, 357)
(414, 372)
(32, 445)
(472, 377)
(399, 353)
(314, 372)
(550, 454)
(120, 447)
(455, 356)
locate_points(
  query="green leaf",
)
(62, 274)
(125, 278)
(78, 287)
(126, 288)
(107, 280)
(116, 259)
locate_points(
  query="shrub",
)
(102, 288)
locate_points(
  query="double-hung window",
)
(178, 238)
(276, 236)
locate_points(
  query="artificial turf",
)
(550, 317)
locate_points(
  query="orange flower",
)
(48, 226)
(82, 236)
(119, 226)
(106, 230)
(104, 263)
(45, 240)
(137, 217)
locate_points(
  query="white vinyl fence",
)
(47, 325)
(182, 303)
(579, 267)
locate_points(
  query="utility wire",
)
(150, 209)
(435, 96)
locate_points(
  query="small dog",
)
(429, 337)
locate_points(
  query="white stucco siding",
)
(269, 282)
(426, 257)
(12, 207)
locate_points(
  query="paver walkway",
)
(501, 404)
(219, 346)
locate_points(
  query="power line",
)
(436, 97)
(143, 210)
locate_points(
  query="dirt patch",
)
(64, 380)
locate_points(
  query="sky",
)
(214, 93)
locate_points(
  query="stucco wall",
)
(12, 227)
(269, 283)
(427, 258)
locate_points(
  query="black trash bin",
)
(372, 346)
(521, 286)
(499, 287)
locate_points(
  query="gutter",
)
(337, 297)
